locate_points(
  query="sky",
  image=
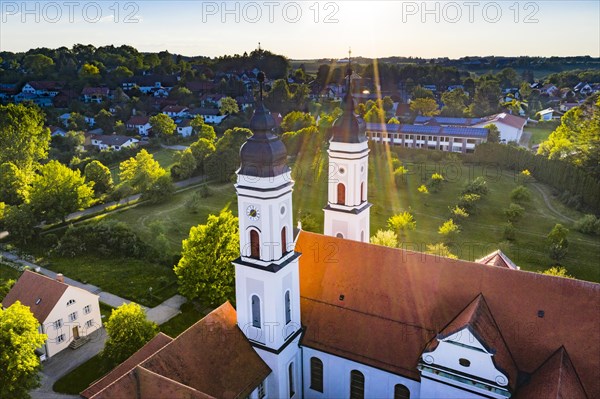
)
(310, 29)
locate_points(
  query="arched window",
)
(341, 194)
(288, 307)
(339, 235)
(283, 241)
(357, 385)
(362, 192)
(316, 374)
(401, 392)
(255, 311)
(254, 244)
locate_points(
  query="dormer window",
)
(70, 302)
(464, 362)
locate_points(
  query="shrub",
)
(510, 232)
(402, 222)
(435, 182)
(477, 186)
(459, 212)
(440, 249)
(520, 195)
(469, 202)
(588, 224)
(386, 238)
(449, 230)
(400, 175)
(514, 212)
(558, 271)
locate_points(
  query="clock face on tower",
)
(253, 213)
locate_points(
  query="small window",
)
(316, 374)
(58, 323)
(254, 244)
(357, 385)
(464, 362)
(255, 311)
(89, 323)
(341, 194)
(262, 392)
(284, 249)
(60, 338)
(401, 392)
(339, 235)
(70, 302)
(291, 379)
(288, 308)
(87, 309)
(73, 316)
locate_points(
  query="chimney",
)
(60, 278)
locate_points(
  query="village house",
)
(66, 313)
(112, 142)
(210, 115)
(175, 111)
(184, 128)
(139, 124)
(95, 94)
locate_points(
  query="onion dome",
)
(348, 128)
(263, 154)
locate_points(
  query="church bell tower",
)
(347, 210)
(266, 273)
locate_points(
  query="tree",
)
(424, 106)
(57, 191)
(228, 106)
(440, 249)
(76, 122)
(226, 158)
(121, 72)
(297, 120)
(449, 230)
(13, 184)
(20, 222)
(38, 64)
(387, 238)
(493, 135)
(163, 125)
(375, 115)
(393, 121)
(140, 172)
(128, 330)
(89, 72)
(514, 212)
(487, 97)
(100, 175)
(186, 166)
(402, 222)
(105, 121)
(202, 150)
(520, 195)
(203, 130)
(160, 190)
(557, 242)
(558, 271)
(23, 138)
(421, 92)
(455, 102)
(387, 104)
(20, 338)
(205, 270)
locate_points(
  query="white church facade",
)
(332, 316)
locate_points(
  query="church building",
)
(332, 316)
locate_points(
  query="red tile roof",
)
(479, 320)
(212, 358)
(138, 120)
(95, 91)
(174, 108)
(39, 292)
(46, 85)
(508, 119)
(385, 295)
(555, 379)
(151, 347)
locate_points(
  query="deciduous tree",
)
(163, 125)
(19, 338)
(205, 270)
(140, 172)
(100, 175)
(386, 238)
(424, 106)
(128, 330)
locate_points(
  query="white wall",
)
(336, 378)
(62, 311)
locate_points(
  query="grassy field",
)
(538, 133)
(128, 278)
(81, 377)
(8, 273)
(191, 312)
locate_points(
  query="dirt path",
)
(550, 206)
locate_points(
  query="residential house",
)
(212, 100)
(583, 88)
(66, 313)
(546, 114)
(175, 111)
(564, 107)
(7, 91)
(57, 131)
(244, 102)
(210, 115)
(112, 142)
(184, 128)
(95, 94)
(549, 90)
(149, 84)
(510, 126)
(44, 88)
(139, 124)
(200, 87)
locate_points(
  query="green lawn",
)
(191, 312)
(128, 278)
(538, 133)
(81, 377)
(8, 273)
